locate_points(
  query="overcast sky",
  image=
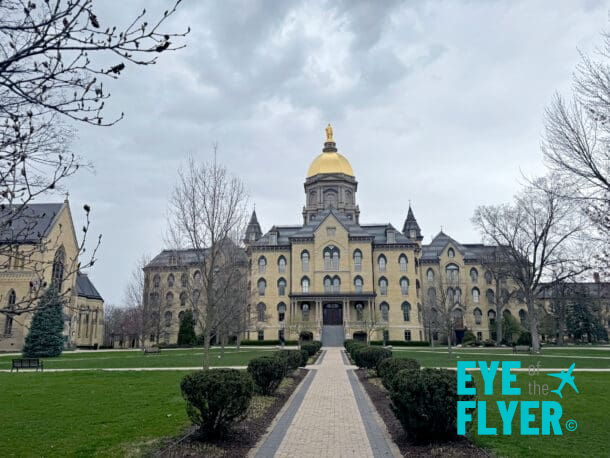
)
(440, 103)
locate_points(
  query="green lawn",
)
(87, 413)
(167, 358)
(590, 408)
(438, 357)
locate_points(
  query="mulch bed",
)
(242, 438)
(461, 447)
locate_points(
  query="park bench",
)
(518, 348)
(27, 363)
(152, 350)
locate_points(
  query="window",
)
(407, 335)
(358, 261)
(491, 316)
(273, 238)
(479, 336)
(262, 285)
(417, 287)
(336, 285)
(458, 318)
(281, 287)
(305, 261)
(522, 316)
(430, 275)
(336, 260)
(419, 313)
(457, 293)
(8, 320)
(432, 296)
(488, 277)
(57, 274)
(331, 231)
(385, 311)
(327, 285)
(156, 281)
(474, 275)
(359, 312)
(169, 299)
(154, 299)
(391, 237)
(491, 297)
(260, 311)
(386, 335)
(281, 311)
(305, 285)
(262, 265)
(281, 264)
(197, 277)
(184, 280)
(305, 312)
(183, 297)
(451, 253)
(450, 296)
(196, 296)
(358, 284)
(402, 263)
(406, 311)
(475, 295)
(170, 281)
(281, 336)
(261, 334)
(331, 258)
(404, 286)
(327, 260)
(168, 318)
(453, 273)
(477, 316)
(382, 261)
(383, 286)
(180, 316)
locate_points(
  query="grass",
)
(589, 408)
(167, 358)
(438, 357)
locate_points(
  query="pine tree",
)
(186, 333)
(45, 338)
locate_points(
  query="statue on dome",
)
(329, 133)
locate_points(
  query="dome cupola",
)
(330, 161)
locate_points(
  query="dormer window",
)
(391, 237)
(412, 233)
(451, 253)
(273, 238)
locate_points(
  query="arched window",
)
(327, 284)
(305, 285)
(488, 277)
(260, 311)
(305, 261)
(406, 311)
(281, 311)
(475, 295)
(430, 275)
(419, 312)
(491, 316)
(196, 296)
(385, 311)
(154, 299)
(474, 275)
(402, 262)
(432, 296)
(506, 313)
(170, 281)
(382, 262)
(491, 297)
(457, 294)
(331, 258)
(181, 316)
(197, 277)
(458, 318)
(522, 316)
(156, 281)
(184, 280)
(305, 311)
(383, 286)
(336, 285)
(326, 260)
(358, 284)
(358, 261)
(8, 320)
(359, 312)
(57, 274)
(451, 253)
(169, 299)
(168, 318)
(336, 260)
(404, 286)
(281, 287)
(450, 296)
(281, 264)
(477, 315)
(183, 297)
(262, 285)
(453, 273)
(262, 265)
(417, 287)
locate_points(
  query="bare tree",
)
(207, 213)
(134, 299)
(540, 233)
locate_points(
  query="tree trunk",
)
(238, 342)
(206, 349)
(449, 341)
(499, 333)
(222, 344)
(560, 335)
(531, 310)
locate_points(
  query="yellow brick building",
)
(40, 247)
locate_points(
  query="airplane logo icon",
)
(565, 378)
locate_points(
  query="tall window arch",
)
(383, 286)
(170, 281)
(305, 261)
(328, 284)
(522, 316)
(184, 280)
(402, 262)
(169, 299)
(336, 284)
(281, 311)
(305, 311)
(477, 315)
(331, 258)
(488, 277)
(262, 265)
(261, 308)
(281, 264)
(281, 287)
(432, 296)
(156, 281)
(474, 275)
(358, 260)
(457, 295)
(475, 295)
(359, 312)
(491, 316)
(262, 285)
(8, 320)
(183, 297)
(197, 277)
(430, 275)
(305, 285)
(168, 318)
(453, 273)
(358, 284)
(57, 274)
(404, 286)
(406, 311)
(491, 297)
(382, 263)
(385, 311)
(451, 253)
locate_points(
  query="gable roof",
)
(438, 244)
(85, 288)
(27, 224)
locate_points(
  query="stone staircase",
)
(333, 336)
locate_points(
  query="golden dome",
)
(330, 161)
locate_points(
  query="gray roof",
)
(470, 252)
(27, 224)
(84, 287)
(594, 290)
(178, 257)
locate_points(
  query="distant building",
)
(37, 249)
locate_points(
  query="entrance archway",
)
(332, 315)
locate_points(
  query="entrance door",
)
(333, 315)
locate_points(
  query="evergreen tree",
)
(186, 333)
(45, 338)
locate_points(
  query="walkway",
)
(329, 416)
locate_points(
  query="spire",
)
(410, 228)
(253, 232)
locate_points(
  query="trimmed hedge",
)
(267, 373)
(369, 357)
(216, 399)
(304, 357)
(267, 342)
(352, 345)
(425, 403)
(293, 359)
(310, 348)
(401, 343)
(389, 367)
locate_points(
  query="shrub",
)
(469, 338)
(293, 359)
(216, 399)
(311, 348)
(401, 343)
(369, 357)
(425, 403)
(186, 332)
(389, 367)
(525, 338)
(318, 344)
(304, 357)
(489, 343)
(267, 373)
(45, 338)
(353, 345)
